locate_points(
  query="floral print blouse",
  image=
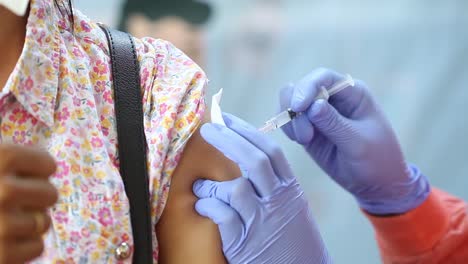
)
(60, 98)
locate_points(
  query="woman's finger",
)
(20, 251)
(25, 161)
(21, 224)
(21, 192)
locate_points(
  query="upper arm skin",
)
(184, 236)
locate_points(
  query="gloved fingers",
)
(299, 129)
(303, 129)
(244, 199)
(216, 210)
(349, 101)
(272, 150)
(254, 163)
(221, 190)
(228, 220)
(285, 103)
(323, 151)
(307, 89)
(330, 123)
(213, 189)
(238, 193)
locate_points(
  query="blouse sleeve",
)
(173, 104)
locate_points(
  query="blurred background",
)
(413, 55)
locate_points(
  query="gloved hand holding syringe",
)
(348, 137)
(287, 116)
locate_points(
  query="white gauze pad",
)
(18, 7)
(216, 113)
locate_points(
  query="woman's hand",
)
(25, 196)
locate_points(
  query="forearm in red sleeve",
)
(434, 232)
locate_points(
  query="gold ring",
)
(39, 222)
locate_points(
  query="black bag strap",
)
(131, 139)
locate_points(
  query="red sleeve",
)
(435, 232)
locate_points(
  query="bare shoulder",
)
(183, 234)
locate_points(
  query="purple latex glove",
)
(263, 216)
(350, 138)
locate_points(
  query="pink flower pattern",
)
(105, 217)
(62, 169)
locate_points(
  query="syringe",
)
(287, 116)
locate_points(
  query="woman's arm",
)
(435, 232)
(173, 90)
(183, 235)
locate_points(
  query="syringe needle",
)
(338, 87)
(287, 116)
(278, 121)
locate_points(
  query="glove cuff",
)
(404, 197)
